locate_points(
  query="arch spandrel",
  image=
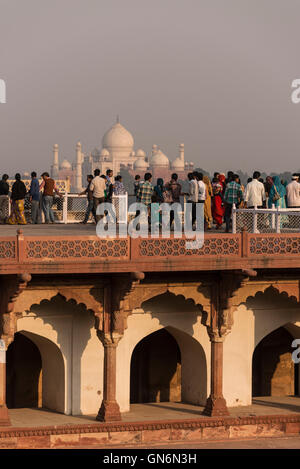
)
(251, 289)
(142, 293)
(91, 298)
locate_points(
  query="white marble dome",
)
(159, 159)
(178, 164)
(140, 164)
(65, 165)
(140, 153)
(104, 152)
(118, 137)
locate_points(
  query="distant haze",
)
(213, 74)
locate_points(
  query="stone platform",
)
(163, 423)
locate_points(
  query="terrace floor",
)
(60, 229)
(157, 411)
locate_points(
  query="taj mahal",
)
(118, 153)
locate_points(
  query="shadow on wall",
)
(82, 320)
(35, 373)
(178, 315)
(273, 371)
(155, 372)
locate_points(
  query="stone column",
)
(55, 166)
(109, 410)
(216, 404)
(4, 417)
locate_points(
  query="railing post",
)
(255, 230)
(233, 218)
(277, 220)
(273, 218)
(21, 246)
(244, 238)
(65, 209)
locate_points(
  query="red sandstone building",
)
(93, 326)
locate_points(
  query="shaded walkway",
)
(156, 411)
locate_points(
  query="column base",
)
(109, 412)
(4, 417)
(216, 407)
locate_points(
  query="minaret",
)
(181, 152)
(55, 166)
(78, 174)
(154, 149)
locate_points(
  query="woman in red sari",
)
(222, 180)
(218, 209)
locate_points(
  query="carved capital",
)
(121, 289)
(10, 288)
(224, 289)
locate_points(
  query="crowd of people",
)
(218, 195)
(41, 196)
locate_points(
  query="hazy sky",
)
(213, 74)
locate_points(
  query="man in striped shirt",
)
(233, 195)
(145, 190)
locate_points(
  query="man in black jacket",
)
(4, 201)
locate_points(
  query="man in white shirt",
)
(97, 187)
(193, 194)
(201, 188)
(255, 192)
(293, 192)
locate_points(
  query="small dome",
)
(140, 153)
(118, 137)
(140, 164)
(159, 159)
(104, 152)
(66, 165)
(178, 164)
(132, 154)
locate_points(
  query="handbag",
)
(276, 195)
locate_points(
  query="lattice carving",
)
(76, 249)
(274, 245)
(7, 249)
(213, 246)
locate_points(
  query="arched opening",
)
(273, 371)
(23, 373)
(35, 373)
(155, 371)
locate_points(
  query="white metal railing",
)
(72, 208)
(266, 220)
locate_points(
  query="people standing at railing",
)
(90, 205)
(255, 194)
(97, 188)
(174, 189)
(159, 190)
(201, 187)
(222, 181)
(4, 191)
(218, 208)
(293, 192)
(146, 190)
(109, 185)
(207, 203)
(137, 181)
(118, 186)
(277, 194)
(34, 197)
(49, 189)
(233, 195)
(193, 195)
(18, 193)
